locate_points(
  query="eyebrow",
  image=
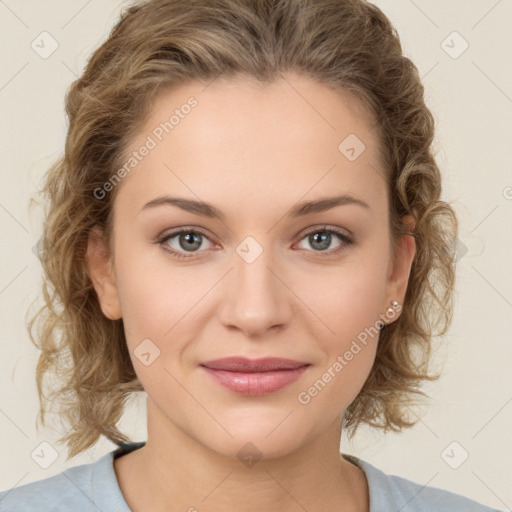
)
(305, 208)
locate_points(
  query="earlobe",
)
(100, 269)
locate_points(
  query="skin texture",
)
(253, 152)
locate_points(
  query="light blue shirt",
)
(94, 487)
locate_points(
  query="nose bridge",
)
(256, 298)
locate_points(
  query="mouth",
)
(254, 377)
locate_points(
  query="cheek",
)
(143, 303)
(161, 310)
(348, 299)
(153, 296)
(349, 303)
(153, 314)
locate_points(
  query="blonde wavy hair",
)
(160, 44)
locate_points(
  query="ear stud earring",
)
(394, 305)
(390, 311)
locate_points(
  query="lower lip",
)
(256, 384)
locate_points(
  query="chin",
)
(249, 449)
(256, 436)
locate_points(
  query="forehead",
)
(234, 139)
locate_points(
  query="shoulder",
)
(72, 486)
(80, 488)
(392, 492)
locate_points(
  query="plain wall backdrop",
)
(462, 50)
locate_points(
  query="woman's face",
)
(262, 277)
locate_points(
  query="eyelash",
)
(347, 241)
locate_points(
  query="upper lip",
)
(242, 364)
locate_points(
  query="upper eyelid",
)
(326, 227)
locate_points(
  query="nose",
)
(256, 297)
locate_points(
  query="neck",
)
(174, 471)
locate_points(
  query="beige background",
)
(471, 98)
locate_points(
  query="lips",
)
(244, 365)
(254, 377)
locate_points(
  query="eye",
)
(320, 238)
(188, 240)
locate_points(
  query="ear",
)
(100, 268)
(398, 280)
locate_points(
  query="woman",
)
(247, 226)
